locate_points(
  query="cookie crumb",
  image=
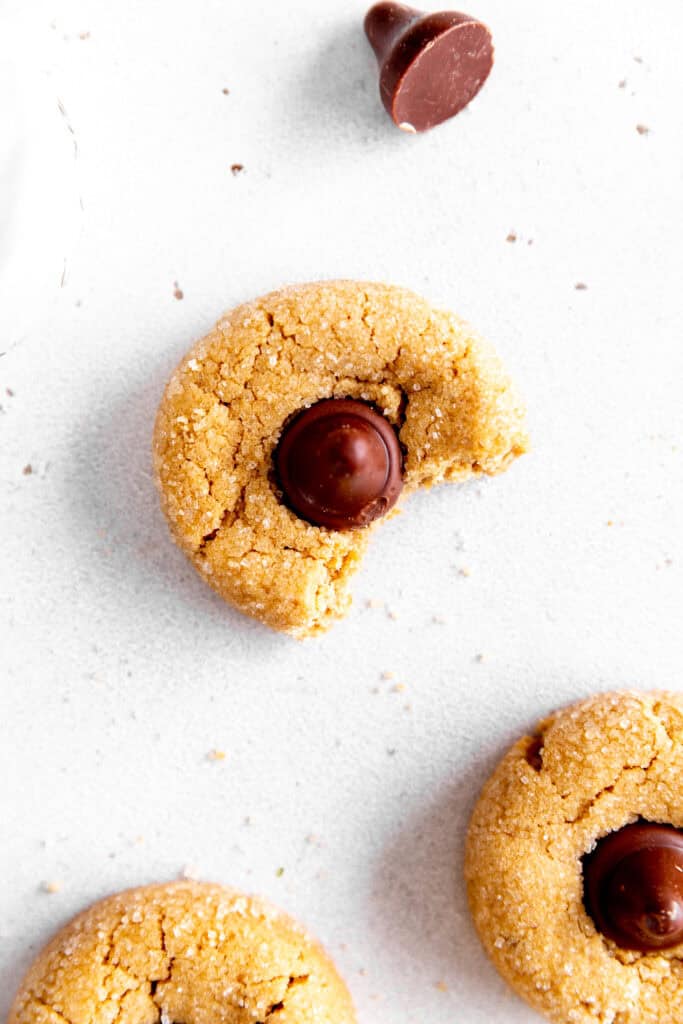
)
(226, 92)
(9, 392)
(642, 129)
(216, 755)
(441, 986)
(177, 291)
(387, 675)
(190, 873)
(52, 887)
(28, 469)
(581, 286)
(464, 571)
(398, 688)
(236, 169)
(391, 614)
(512, 237)
(622, 83)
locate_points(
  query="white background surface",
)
(120, 669)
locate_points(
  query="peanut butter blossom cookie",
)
(185, 953)
(287, 433)
(574, 862)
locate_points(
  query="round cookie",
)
(587, 772)
(185, 952)
(441, 388)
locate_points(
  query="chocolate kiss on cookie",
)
(339, 464)
(633, 886)
(287, 434)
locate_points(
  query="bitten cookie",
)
(186, 952)
(574, 862)
(438, 388)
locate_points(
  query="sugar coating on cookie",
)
(185, 952)
(588, 771)
(440, 386)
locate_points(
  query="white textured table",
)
(342, 796)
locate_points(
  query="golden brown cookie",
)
(440, 386)
(587, 772)
(183, 953)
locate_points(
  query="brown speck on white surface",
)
(638, 60)
(464, 571)
(177, 291)
(642, 129)
(28, 469)
(84, 35)
(9, 392)
(236, 169)
(442, 986)
(622, 83)
(226, 92)
(52, 887)
(69, 126)
(216, 755)
(580, 286)
(391, 614)
(398, 688)
(387, 675)
(512, 237)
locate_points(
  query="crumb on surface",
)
(642, 129)
(52, 887)
(177, 291)
(512, 237)
(28, 469)
(225, 91)
(236, 169)
(190, 873)
(441, 986)
(216, 755)
(387, 675)
(581, 286)
(622, 83)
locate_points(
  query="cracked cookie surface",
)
(440, 386)
(587, 771)
(182, 953)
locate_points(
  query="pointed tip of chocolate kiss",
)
(431, 65)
